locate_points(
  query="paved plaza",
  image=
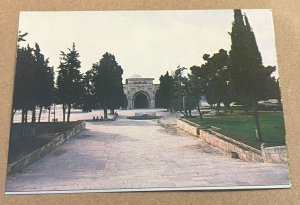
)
(126, 154)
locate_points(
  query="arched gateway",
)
(140, 92)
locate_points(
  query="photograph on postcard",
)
(109, 101)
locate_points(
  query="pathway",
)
(140, 154)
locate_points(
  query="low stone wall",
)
(44, 150)
(244, 152)
(276, 154)
(189, 127)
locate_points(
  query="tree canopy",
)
(249, 78)
(69, 80)
(164, 93)
(34, 80)
(183, 99)
(217, 79)
(108, 83)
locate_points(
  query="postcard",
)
(114, 101)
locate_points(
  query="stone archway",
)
(136, 88)
(141, 100)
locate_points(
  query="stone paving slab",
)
(129, 154)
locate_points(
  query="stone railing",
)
(44, 150)
(240, 150)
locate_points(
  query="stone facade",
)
(137, 85)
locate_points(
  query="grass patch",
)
(242, 128)
(45, 132)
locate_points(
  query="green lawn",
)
(241, 127)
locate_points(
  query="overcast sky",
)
(147, 43)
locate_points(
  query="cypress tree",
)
(247, 73)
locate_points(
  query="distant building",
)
(140, 92)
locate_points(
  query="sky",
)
(147, 43)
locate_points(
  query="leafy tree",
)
(197, 85)
(108, 83)
(247, 74)
(217, 79)
(164, 93)
(182, 98)
(33, 80)
(44, 81)
(24, 97)
(88, 98)
(178, 93)
(190, 100)
(272, 90)
(69, 80)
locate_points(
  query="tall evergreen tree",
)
(164, 93)
(69, 85)
(34, 80)
(247, 73)
(108, 83)
(24, 97)
(44, 81)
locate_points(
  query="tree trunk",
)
(199, 110)
(49, 114)
(218, 108)
(33, 117)
(26, 112)
(112, 111)
(256, 121)
(23, 115)
(190, 113)
(184, 106)
(69, 112)
(40, 113)
(64, 112)
(54, 112)
(33, 121)
(105, 110)
(247, 109)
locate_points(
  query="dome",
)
(135, 76)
